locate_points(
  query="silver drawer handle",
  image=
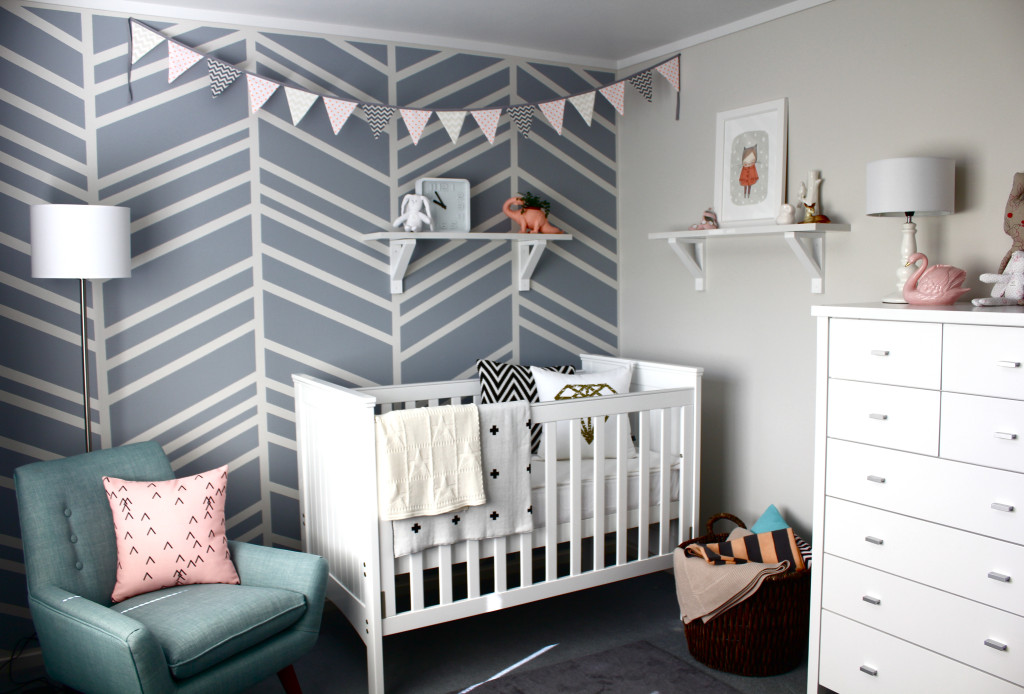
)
(1009, 364)
(879, 417)
(869, 670)
(876, 478)
(879, 352)
(1002, 507)
(1005, 435)
(996, 576)
(873, 540)
(871, 600)
(995, 644)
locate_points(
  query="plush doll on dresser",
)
(1009, 281)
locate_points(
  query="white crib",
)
(576, 549)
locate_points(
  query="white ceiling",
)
(599, 33)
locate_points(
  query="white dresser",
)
(918, 501)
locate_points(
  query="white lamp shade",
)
(81, 241)
(920, 185)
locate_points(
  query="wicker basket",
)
(766, 634)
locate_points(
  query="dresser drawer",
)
(856, 659)
(986, 431)
(978, 499)
(984, 360)
(891, 352)
(890, 416)
(984, 637)
(976, 567)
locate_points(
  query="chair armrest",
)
(270, 567)
(92, 647)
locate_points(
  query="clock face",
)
(449, 202)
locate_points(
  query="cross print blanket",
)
(505, 452)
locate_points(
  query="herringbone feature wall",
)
(247, 240)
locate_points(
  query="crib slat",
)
(500, 564)
(600, 449)
(550, 502)
(387, 567)
(473, 567)
(416, 580)
(526, 559)
(621, 503)
(664, 521)
(445, 570)
(644, 506)
(575, 501)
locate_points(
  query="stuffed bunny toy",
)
(1009, 287)
(415, 213)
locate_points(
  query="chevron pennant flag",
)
(299, 103)
(670, 71)
(415, 122)
(522, 116)
(378, 115)
(222, 76)
(338, 112)
(584, 103)
(259, 91)
(616, 94)
(642, 82)
(179, 59)
(452, 122)
(554, 111)
(144, 40)
(488, 121)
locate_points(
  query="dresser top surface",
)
(965, 313)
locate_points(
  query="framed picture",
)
(750, 164)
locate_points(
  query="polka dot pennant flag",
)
(144, 40)
(670, 71)
(179, 59)
(584, 103)
(452, 122)
(222, 76)
(642, 82)
(259, 91)
(554, 111)
(616, 94)
(488, 121)
(338, 112)
(522, 116)
(415, 122)
(378, 116)
(299, 102)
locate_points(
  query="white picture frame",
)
(745, 197)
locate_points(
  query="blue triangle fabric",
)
(643, 84)
(522, 116)
(378, 115)
(222, 76)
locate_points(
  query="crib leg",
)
(375, 663)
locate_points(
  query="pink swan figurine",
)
(938, 285)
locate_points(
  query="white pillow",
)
(557, 386)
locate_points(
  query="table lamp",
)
(81, 242)
(908, 186)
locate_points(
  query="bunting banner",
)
(299, 103)
(522, 116)
(643, 83)
(670, 71)
(222, 76)
(554, 111)
(488, 122)
(584, 103)
(259, 91)
(338, 112)
(179, 59)
(144, 40)
(415, 122)
(616, 95)
(378, 115)
(452, 122)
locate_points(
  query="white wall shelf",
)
(529, 248)
(806, 240)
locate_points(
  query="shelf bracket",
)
(691, 252)
(529, 253)
(400, 251)
(809, 249)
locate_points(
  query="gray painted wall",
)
(248, 263)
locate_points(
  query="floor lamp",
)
(81, 242)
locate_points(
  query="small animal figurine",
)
(708, 220)
(415, 213)
(532, 218)
(787, 215)
(938, 285)
(809, 193)
(1013, 222)
(1009, 287)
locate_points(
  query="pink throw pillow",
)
(170, 533)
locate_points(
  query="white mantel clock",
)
(449, 202)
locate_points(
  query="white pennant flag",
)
(299, 102)
(554, 111)
(584, 103)
(488, 121)
(259, 91)
(452, 122)
(338, 112)
(144, 40)
(179, 59)
(415, 122)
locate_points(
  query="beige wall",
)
(865, 79)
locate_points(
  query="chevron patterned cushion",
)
(501, 382)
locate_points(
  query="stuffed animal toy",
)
(415, 213)
(1009, 287)
(1013, 222)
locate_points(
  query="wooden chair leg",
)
(289, 680)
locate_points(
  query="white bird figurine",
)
(938, 285)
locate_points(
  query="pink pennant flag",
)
(144, 40)
(338, 112)
(179, 59)
(616, 94)
(488, 121)
(259, 91)
(554, 111)
(670, 71)
(415, 122)
(299, 102)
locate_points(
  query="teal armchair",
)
(209, 638)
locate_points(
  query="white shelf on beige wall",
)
(806, 240)
(529, 248)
